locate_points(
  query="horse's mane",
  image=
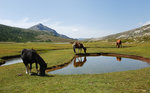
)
(38, 58)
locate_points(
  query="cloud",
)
(74, 31)
(146, 23)
(23, 23)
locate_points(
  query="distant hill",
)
(141, 34)
(14, 34)
(42, 27)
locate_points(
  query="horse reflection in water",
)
(79, 61)
(118, 59)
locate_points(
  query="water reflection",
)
(118, 59)
(96, 65)
(79, 61)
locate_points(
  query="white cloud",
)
(74, 31)
(146, 23)
(23, 23)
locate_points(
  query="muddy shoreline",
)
(5, 58)
(10, 57)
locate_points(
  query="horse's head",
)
(43, 67)
(84, 48)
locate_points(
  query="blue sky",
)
(77, 18)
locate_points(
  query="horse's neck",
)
(39, 60)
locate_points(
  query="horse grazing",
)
(30, 56)
(118, 43)
(79, 46)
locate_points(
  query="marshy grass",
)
(13, 78)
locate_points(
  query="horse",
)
(79, 46)
(30, 56)
(118, 43)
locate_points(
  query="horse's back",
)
(27, 56)
(77, 44)
(118, 41)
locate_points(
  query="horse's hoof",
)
(27, 73)
(30, 74)
(38, 73)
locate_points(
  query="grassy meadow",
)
(13, 78)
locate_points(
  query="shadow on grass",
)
(35, 74)
(46, 75)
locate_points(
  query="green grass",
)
(13, 78)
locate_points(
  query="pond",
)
(12, 61)
(98, 64)
(94, 64)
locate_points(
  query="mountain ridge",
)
(140, 34)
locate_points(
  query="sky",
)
(77, 18)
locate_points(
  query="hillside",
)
(42, 27)
(14, 34)
(140, 34)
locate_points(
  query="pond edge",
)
(49, 69)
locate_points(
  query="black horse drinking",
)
(30, 56)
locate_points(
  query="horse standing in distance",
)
(30, 56)
(79, 46)
(119, 43)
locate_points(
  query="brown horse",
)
(79, 46)
(118, 43)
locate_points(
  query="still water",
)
(100, 64)
(13, 61)
(93, 65)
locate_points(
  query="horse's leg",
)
(27, 69)
(37, 68)
(74, 49)
(84, 50)
(118, 45)
(81, 50)
(30, 68)
(121, 45)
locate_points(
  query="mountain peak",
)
(41, 27)
(39, 24)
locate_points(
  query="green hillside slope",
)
(13, 34)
